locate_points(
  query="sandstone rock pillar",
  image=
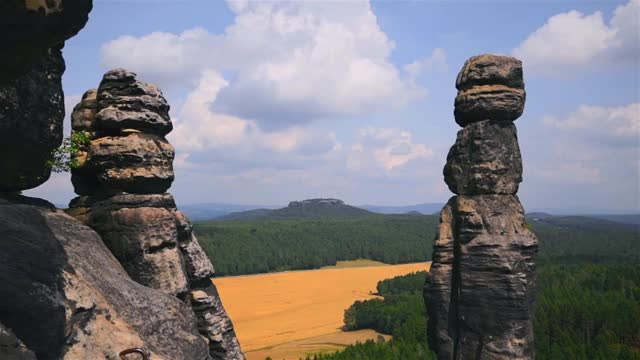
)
(122, 175)
(480, 291)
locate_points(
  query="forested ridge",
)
(587, 311)
(258, 246)
(268, 245)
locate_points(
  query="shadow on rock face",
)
(34, 26)
(31, 116)
(32, 280)
(65, 296)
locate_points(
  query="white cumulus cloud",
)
(387, 148)
(573, 39)
(615, 125)
(593, 150)
(200, 129)
(285, 63)
(436, 62)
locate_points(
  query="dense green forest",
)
(258, 246)
(589, 278)
(583, 312)
(579, 239)
(400, 313)
(380, 350)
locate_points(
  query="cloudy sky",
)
(278, 101)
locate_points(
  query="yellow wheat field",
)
(286, 315)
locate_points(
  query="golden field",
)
(286, 315)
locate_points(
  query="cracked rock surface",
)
(31, 115)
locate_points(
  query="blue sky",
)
(277, 101)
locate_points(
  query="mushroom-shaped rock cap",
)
(488, 69)
(119, 74)
(489, 87)
(124, 102)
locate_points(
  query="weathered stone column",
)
(480, 292)
(122, 177)
(31, 97)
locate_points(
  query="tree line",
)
(259, 246)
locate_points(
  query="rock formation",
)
(31, 115)
(32, 27)
(480, 292)
(31, 98)
(65, 296)
(122, 177)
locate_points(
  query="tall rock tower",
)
(124, 170)
(480, 292)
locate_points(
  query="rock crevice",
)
(480, 291)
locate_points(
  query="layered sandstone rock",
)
(127, 120)
(65, 296)
(126, 103)
(489, 87)
(122, 178)
(481, 289)
(485, 159)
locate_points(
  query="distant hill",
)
(426, 208)
(305, 209)
(208, 211)
(538, 215)
(579, 222)
(633, 219)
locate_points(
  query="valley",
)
(303, 266)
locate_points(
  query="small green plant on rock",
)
(65, 158)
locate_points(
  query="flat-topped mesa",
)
(122, 175)
(317, 202)
(481, 289)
